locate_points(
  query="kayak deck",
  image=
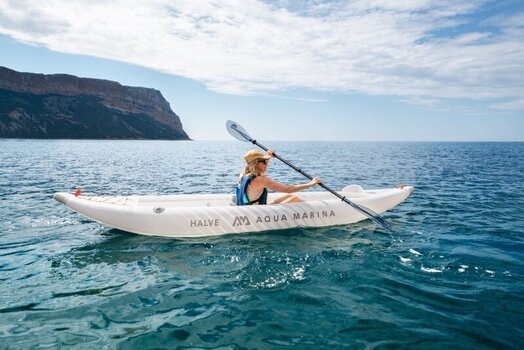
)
(210, 200)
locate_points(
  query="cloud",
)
(510, 105)
(417, 50)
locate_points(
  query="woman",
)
(253, 182)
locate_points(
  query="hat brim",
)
(252, 159)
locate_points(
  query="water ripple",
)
(450, 275)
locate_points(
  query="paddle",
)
(241, 134)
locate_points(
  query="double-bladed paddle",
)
(241, 134)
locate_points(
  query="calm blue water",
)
(450, 276)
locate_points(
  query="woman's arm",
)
(273, 185)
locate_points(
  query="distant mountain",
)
(60, 106)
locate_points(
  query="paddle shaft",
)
(365, 211)
(298, 170)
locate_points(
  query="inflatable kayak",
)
(216, 214)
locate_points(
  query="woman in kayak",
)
(253, 182)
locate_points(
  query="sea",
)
(449, 275)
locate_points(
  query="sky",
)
(362, 70)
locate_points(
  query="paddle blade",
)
(237, 131)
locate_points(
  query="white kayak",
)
(215, 214)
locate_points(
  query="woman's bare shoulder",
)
(262, 180)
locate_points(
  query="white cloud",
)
(249, 46)
(510, 105)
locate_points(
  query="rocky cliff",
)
(66, 106)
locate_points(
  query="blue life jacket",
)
(241, 192)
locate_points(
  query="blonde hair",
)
(251, 168)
